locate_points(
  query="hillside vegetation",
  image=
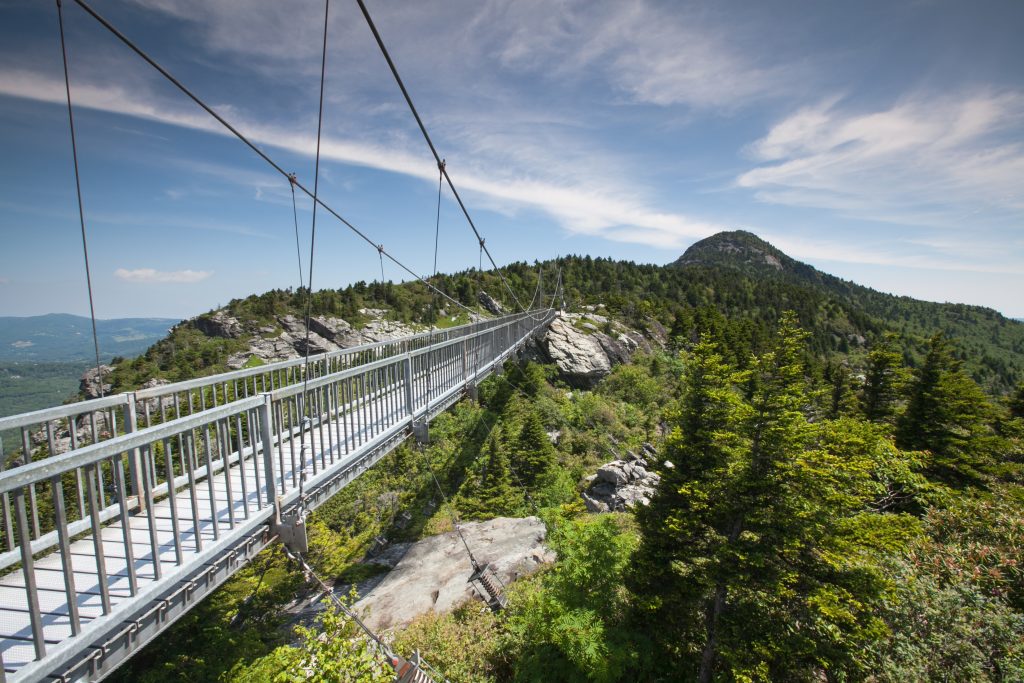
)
(732, 283)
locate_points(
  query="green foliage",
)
(464, 645)
(334, 651)
(948, 415)
(945, 632)
(757, 559)
(490, 491)
(884, 379)
(568, 628)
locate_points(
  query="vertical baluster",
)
(172, 499)
(148, 482)
(121, 490)
(224, 442)
(208, 458)
(29, 572)
(5, 501)
(64, 547)
(241, 463)
(191, 460)
(91, 476)
(254, 430)
(279, 406)
(26, 458)
(339, 391)
(292, 408)
(266, 436)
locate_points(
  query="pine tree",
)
(680, 523)
(535, 456)
(754, 559)
(884, 379)
(491, 493)
(947, 414)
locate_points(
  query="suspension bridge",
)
(164, 493)
(118, 514)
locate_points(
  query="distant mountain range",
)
(60, 337)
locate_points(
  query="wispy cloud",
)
(581, 206)
(151, 275)
(931, 160)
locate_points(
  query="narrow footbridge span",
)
(129, 509)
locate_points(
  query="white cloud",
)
(928, 160)
(150, 275)
(583, 203)
(5, 281)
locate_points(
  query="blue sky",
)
(880, 141)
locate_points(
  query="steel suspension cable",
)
(316, 187)
(263, 155)
(295, 215)
(78, 192)
(430, 143)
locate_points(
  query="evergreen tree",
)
(491, 492)
(884, 379)
(681, 521)
(839, 385)
(947, 414)
(754, 561)
(1017, 402)
(535, 456)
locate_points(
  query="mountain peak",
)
(737, 248)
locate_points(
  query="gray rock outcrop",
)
(490, 303)
(621, 484)
(219, 324)
(432, 574)
(89, 384)
(580, 358)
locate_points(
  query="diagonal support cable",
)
(433, 150)
(78, 191)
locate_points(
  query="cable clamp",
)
(380, 248)
(440, 166)
(292, 179)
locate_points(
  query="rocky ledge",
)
(432, 574)
(621, 484)
(585, 346)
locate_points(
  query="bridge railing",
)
(245, 453)
(44, 433)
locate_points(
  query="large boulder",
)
(580, 358)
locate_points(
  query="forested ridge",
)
(841, 494)
(728, 282)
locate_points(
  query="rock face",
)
(219, 324)
(488, 302)
(580, 358)
(326, 334)
(586, 354)
(89, 384)
(432, 574)
(621, 484)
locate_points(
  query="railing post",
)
(29, 573)
(409, 404)
(134, 458)
(465, 352)
(267, 437)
